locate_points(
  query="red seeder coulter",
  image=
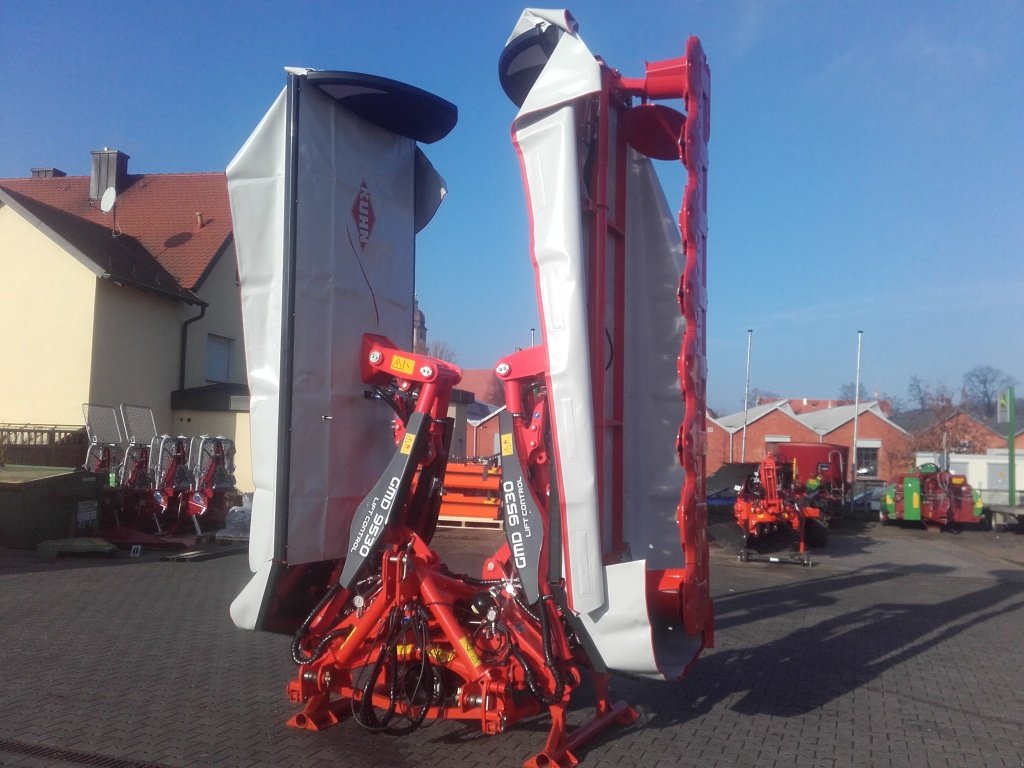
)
(154, 483)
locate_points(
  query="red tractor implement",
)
(773, 500)
(820, 476)
(933, 496)
(604, 566)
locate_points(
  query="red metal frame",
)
(483, 666)
(689, 78)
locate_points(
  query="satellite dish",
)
(108, 200)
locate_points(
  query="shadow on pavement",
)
(804, 670)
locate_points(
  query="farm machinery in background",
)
(798, 488)
(933, 496)
(604, 567)
(472, 493)
(156, 485)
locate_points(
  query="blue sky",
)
(867, 157)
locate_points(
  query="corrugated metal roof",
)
(822, 421)
(734, 421)
(830, 419)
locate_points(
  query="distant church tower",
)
(419, 329)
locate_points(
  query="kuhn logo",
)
(362, 215)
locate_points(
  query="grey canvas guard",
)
(524, 526)
(373, 516)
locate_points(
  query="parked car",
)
(869, 501)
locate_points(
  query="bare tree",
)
(759, 396)
(848, 390)
(919, 392)
(952, 429)
(982, 385)
(442, 351)
(891, 404)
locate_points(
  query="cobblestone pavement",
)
(898, 648)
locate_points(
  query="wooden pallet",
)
(448, 521)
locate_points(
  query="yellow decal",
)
(402, 364)
(440, 655)
(405, 651)
(506, 445)
(407, 442)
(467, 646)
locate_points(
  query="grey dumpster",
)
(41, 503)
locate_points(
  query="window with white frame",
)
(867, 461)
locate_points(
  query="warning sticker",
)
(467, 646)
(402, 364)
(407, 442)
(506, 445)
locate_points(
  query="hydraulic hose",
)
(388, 663)
(549, 657)
(549, 661)
(297, 655)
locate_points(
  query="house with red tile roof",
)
(129, 298)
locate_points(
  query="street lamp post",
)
(746, 399)
(856, 407)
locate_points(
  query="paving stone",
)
(895, 649)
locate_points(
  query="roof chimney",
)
(47, 173)
(109, 169)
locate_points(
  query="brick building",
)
(882, 445)
(768, 423)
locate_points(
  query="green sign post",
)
(1006, 413)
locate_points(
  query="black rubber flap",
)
(523, 59)
(394, 106)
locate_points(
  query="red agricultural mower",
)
(604, 568)
(933, 496)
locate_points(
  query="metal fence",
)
(58, 445)
(1000, 496)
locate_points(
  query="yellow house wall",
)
(223, 317)
(72, 338)
(137, 344)
(226, 424)
(46, 312)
